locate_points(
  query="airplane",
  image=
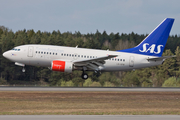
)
(67, 59)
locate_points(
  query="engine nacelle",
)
(61, 66)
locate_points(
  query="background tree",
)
(153, 76)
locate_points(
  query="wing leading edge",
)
(94, 63)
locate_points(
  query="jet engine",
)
(61, 66)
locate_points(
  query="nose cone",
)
(6, 54)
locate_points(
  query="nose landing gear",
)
(23, 70)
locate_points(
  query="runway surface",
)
(2, 88)
(89, 117)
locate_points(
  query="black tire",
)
(23, 70)
(84, 76)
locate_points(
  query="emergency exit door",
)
(131, 61)
(30, 51)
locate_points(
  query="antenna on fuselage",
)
(76, 46)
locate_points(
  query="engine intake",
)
(61, 66)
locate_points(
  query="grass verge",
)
(89, 103)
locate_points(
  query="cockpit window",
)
(16, 49)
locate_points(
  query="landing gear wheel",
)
(84, 76)
(23, 70)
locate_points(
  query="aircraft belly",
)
(41, 62)
(115, 67)
(125, 66)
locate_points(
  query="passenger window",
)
(90, 56)
(44, 52)
(41, 52)
(78, 55)
(61, 54)
(82, 56)
(87, 56)
(47, 52)
(36, 51)
(67, 54)
(123, 59)
(50, 53)
(56, 53)
(70, 55)
(18, 49)
(64, 54)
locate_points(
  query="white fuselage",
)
(43, 55)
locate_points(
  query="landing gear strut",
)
(84, 75)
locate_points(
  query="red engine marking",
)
(58, 66)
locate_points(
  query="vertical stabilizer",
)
(155, 42)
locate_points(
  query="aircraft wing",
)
(93, 63)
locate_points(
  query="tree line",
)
(167, 74)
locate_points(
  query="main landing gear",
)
(84, 75)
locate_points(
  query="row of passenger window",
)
(74, 55)
(40, 52)
(84, 56)
(115, 59)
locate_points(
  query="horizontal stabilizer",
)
(160, 58)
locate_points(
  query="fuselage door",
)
(131, 61)
(30, 51)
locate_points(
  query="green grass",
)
(89, 103)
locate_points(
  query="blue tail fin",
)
(155, 42)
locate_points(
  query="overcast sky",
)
(87, 16)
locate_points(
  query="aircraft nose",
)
(6, 54)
